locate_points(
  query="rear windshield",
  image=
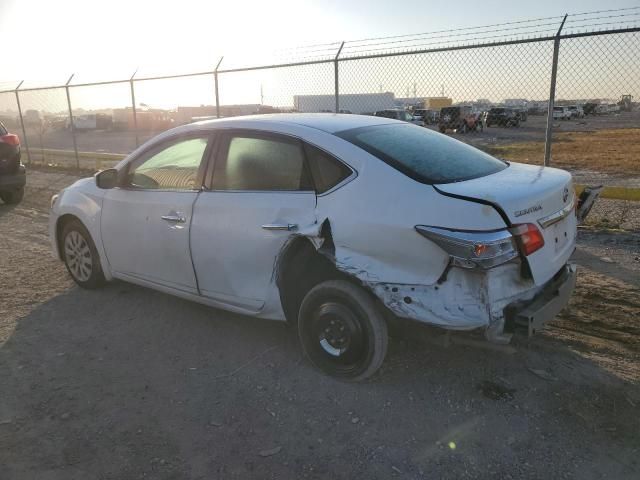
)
(422, 154)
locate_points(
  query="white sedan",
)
(335, 223)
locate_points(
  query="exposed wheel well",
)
(300, 268)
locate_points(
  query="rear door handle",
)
(280, 226)
(174, 218)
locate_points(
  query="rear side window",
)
(261, 163)
(3, 131)
(327, 171)
(423, 155)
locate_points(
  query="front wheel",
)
(80, 256)
(13, 196)
(342, 331)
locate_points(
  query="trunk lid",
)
(530, 194)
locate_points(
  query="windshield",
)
(497, 110)
(422, 154)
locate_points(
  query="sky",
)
(97, 39)
(103, 40)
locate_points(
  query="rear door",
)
(260, 193)
(145, 222)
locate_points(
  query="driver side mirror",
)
(107, 179)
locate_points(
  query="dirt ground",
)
(128, 383)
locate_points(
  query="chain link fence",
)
(490, 86)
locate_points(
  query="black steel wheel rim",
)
(338, 337)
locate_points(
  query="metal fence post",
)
(552, 96)
(336, 78)
(24, 131)
(71, 122)
(215, 79)
(133, 105)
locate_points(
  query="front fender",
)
(82, 200)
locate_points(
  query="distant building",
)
(436, 103)
(352, 102)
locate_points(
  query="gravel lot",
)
(127, 383)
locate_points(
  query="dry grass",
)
(608, 151)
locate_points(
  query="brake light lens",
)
(529, 238)
(10, 139)
(472, 249)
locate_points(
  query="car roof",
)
(327, 122)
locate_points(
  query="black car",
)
(503, 117)
(12, 172)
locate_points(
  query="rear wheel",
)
(12, 196)
(80, 256)
(342, 331)
(442, 129)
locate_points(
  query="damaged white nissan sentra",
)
(336, 223)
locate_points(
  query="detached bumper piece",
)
(543, 307)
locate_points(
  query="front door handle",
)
(174, 218)
(280, 226)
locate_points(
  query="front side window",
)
(423, 155)
(174, 167)
(262, 163)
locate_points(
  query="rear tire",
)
(342, 331)
(12, 197)
(80, 256)
(442, 129)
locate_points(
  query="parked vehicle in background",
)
(561, 113)
(614, 108)
(297, 206)
(522, 114)
(398, 114)
(602, 109)
(460, 118)
(576, 111)
(589, 108)
(12, 173)
(502, 117)
(625, 102)
(429, 117)
(92, 121)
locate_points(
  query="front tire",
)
(80, 256)
(13, 196)
(341, 330)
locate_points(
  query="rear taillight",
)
(529, 238)
(472, 249)
(10, 139)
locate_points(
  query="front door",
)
(260, 194)
(145, 222)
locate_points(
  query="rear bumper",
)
(13, 181)
(533, 314)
